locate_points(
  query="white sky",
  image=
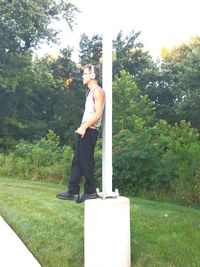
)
(161, 22)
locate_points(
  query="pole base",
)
(104, 195)
(107, 232)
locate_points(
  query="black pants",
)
(83, 163)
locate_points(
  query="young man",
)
(83, 160)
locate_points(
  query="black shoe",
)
(67, 196)
(87, 196)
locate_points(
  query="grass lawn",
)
(162, 234)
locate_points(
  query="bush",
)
(42, 159)
(180, 160)
(163, 159)
(135, 161)
(187, 185)
(98, 164)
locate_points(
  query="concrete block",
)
(107, 233)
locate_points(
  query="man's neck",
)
(92, 85)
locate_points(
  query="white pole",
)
(107, 86)
(107, 222)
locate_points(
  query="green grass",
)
(162, 234)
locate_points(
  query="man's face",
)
(86, 76)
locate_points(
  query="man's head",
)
(90, 73)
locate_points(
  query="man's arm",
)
(99, 98)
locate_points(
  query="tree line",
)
(156, 104)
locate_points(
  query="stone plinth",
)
(107, 233)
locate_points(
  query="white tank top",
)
(90, 108)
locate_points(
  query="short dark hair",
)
(96, 69)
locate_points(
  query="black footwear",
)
(87, 196)
(67, 196)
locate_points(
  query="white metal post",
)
(107, 222)
(107, 86)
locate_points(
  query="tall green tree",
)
(23, 26)
(25, 23)
(182, 65)
(129, 54)
(51, 96)
(70, 92)
(131, 109)
(90, 49)
(174, 85)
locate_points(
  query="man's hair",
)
(95, 68)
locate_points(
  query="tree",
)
(131, 109)
(173, 83)
(50, 96)
(129, 54)
(90, 49)
(69, 103)
(24, 24)
(181, 68)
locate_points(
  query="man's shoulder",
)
(99, 92)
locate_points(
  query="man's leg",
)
(75, 178)
(87, 163)
(76, 173)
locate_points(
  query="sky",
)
(163, 23)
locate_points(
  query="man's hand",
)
(81, 130)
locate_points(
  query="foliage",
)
(98, 164)
(174, 84)
(131, 109)
(135, 161)
(25, 82)
(129, 54)
(49, 96)
(26, 23)
(68, 98)
(181, 155)
(90, 50)
(42, 159)
(23, 25)
(163, 159)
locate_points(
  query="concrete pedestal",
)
(107, 233)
